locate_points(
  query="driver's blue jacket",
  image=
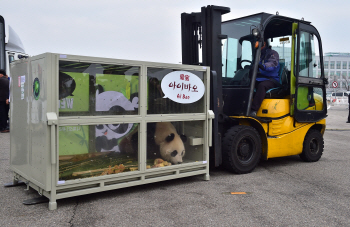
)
(270, 60)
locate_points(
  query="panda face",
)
(173, 149)
(171, 144)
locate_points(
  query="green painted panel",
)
(126, 85)
(77, 99)
(293, 64)
(73, 140)
(303, 101)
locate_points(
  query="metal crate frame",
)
(54, 190)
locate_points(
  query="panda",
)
(162, 142)
(171, 145)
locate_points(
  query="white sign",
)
(335, 84)
(182, 87)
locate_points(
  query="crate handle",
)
(211, 116)
(52, 121)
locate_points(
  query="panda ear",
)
(100, 88)
(170, 137)
(183, 138)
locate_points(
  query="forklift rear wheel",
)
(241, 149)
(312, 146)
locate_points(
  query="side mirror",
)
(22, 56)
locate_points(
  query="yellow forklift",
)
(291, 119)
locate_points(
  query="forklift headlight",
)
(255, 32)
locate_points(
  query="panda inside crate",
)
(163, 142)
(164, 147)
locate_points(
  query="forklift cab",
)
(296, 42)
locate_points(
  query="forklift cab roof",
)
(263, 18)
(271, 25)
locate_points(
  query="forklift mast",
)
(202, 32)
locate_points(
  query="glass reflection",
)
(96, 150)
(159, 103)
(97, 89)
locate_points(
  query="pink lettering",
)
(194, 88)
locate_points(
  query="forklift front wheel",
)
(241, 149)
(313, 146)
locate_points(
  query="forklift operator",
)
(267, 77)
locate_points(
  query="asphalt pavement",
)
(279, 192)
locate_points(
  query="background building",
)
(336, 68)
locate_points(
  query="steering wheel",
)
(244, 61)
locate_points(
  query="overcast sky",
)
(149, 30)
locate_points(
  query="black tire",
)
(241, 149)
(313, 146)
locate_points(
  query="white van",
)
(11, 47)
(340, 97)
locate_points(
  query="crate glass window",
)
(174, 143)
(175, 92)
(96, 150)
(90, 89)
(332, 64)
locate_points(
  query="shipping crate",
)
(82, 125)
